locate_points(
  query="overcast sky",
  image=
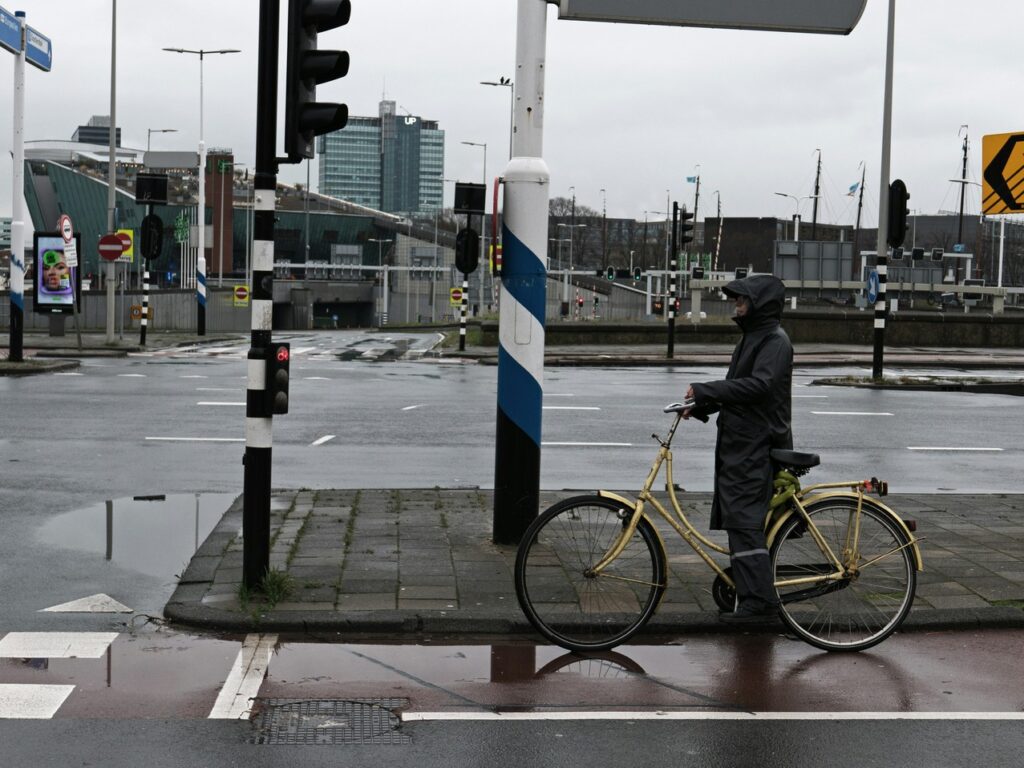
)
(630, 109)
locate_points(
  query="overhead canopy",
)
(835, 17)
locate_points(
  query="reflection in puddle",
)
(156, 535)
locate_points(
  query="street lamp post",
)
(201, 258)
(507, 83)
(151, 131)
(796, 220)
(384, 276)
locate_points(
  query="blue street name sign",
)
(38, 50)
(10, 31)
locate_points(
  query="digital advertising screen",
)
(56, 283)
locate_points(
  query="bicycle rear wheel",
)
(568, 604)
(865, 606)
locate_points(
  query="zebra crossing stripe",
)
(32, 701)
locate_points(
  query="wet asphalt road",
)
(72, 442)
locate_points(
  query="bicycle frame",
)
(788, 499)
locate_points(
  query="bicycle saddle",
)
(794, 459)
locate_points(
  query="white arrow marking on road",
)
(323, 440)
(243, 684)
(98, 603)
(32, 701)
(55, 645)
(200, 439)
(216, 402)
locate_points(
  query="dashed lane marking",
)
(322, 440)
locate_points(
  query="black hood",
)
(767, 295)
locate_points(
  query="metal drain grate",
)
(328, 721)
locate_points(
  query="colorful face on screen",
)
(54, 278)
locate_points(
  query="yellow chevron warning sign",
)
(1002, 158)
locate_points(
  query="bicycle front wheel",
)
(557, 589)
(870, 601)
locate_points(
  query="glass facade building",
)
(394, 163)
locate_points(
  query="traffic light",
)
(697, 273)
(685, 227)
(467, 250)
(278, 362)
(916, 254)
(898, 211)
(937, 254)
(610, 273)
(637, 273)
(741, 272)
(897, 254)
(304, 117)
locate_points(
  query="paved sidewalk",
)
(420, 561)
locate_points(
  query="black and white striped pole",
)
(201, 295)
(462, 312)
(670, 299)
(258, 418)
(267, 387)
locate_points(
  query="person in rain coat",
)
(754, 415)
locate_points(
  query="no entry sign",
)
(110, 247)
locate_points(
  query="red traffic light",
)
(282, 354)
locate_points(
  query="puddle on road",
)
(155, 535)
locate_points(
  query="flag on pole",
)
(853, 189)
(691, 179)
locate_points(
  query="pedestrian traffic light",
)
(304, 117)
(610, 273)
(637, 273)
(898, 212)
(278, 363)
(685, 227)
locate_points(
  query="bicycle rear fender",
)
(630, 504)
(777, 523)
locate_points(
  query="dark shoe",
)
(745, 614)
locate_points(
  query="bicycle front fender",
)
(819, 497)
(630, 504)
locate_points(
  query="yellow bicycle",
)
(591, 570)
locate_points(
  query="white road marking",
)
(323, 440)
(32, 701)
(131, 375)
(71, 373)
(948, 448)
(316, 378)
(851, 413)
(243, 683)
(193, 376)
(216, 402)
(199, 439)
(98, 603)
(715, 715)
(413, 407)
(571, 408)
(302, 350)
(55, 645)
(599, 445)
